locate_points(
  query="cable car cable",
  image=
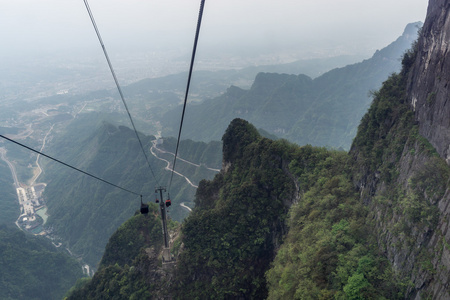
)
(91, 16)
(194, 50)
(67, 165)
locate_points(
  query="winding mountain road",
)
(184, 206)
(168, 163)
(153, 150)
(179, 158)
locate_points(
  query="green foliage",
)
(114, 282)
(427, 187)
(126, 264)
(402, 176)
(329, 251)
(125, 244)
(374, 133)
(355, 287)
(32, 268)
(228, 239)
(238, 135)
(9, 206)
(431, 181)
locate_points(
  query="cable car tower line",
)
(194, 50)
(91, 16)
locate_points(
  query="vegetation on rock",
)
(127, 270)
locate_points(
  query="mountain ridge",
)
(324, 111)
(287, 222)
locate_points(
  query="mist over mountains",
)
(252, 215)
(324, 111)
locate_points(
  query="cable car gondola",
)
(168, 203)
(144, 207)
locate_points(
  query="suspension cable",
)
(67, 165)
(194, 50)
(91, 16)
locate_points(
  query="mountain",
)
(428, 90)
(409, 191)
(242, 218)
(208, 84)
(84, 212)
(287, 222)
(324, 111)
(32, 268)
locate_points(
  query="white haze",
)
(235, 33)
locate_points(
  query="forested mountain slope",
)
(288, 222)
(368, 224)
(9, 206)
(324, 111)
(361, 225)
(241, 218)
(129, 268)
(32, 268)
(402, 149)
(85, 212)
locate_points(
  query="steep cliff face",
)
(428, 85)
(231, 236)
(401, 157)
(428, 92)
(131, 266)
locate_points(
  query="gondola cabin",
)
(168, 203)
(144, 208)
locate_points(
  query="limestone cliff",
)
(401, 151)
(428, 85)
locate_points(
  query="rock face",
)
(413, 223)
(428, 85)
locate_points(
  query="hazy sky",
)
(32, 27)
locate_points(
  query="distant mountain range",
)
(324, 111)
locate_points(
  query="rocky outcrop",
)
(428, 92)
(403, 181)
(428, 85)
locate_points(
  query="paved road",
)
(179, 158)
(11, 167)
(168, 165)
(154, 148)
(187, 207)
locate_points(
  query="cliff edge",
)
(428, 84)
